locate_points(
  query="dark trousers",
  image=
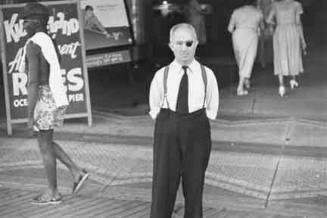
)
(182, 145)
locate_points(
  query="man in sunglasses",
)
(183, 95)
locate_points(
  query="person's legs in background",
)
(281, 89)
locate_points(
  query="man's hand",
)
(304, 47)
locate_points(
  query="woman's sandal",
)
(41, 200)
(82, 178)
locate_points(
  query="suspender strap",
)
(204, 77)
(165, 77)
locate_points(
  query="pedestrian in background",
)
(183, 95)
(265, 50)
(245, 24)
(288, 41)
(47, 100)
(195, 16)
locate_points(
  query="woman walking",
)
(288, 41)
(47, 100)
(244, 25)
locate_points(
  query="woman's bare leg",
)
(67, 161)
(49, 159)
(281, 89)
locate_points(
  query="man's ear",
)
(196, 43)
(171, 46)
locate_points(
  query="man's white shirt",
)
(196, 90)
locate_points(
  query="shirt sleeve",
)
(298, 12)
(212, 95)
(298, 8)
(231, 24)
(156, 94)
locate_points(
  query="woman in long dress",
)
(288, 41)
(245, 25)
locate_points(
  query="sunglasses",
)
(188, 43)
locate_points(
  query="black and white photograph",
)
(163, 109)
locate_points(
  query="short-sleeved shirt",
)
(246, 17)
(287, 13)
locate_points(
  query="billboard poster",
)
(105, 24)
(64, 28)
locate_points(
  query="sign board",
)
(110, 15)
(106, 26)
(64, 28)
(101, 59)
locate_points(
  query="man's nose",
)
(184, 47)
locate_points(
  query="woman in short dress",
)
(245, 24)
(288, 40)
(47, 99)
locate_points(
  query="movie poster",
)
(105, 24)
(64, 28)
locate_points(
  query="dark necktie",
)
(182, 99)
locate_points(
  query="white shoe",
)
(281, 91)
(241, 92)
(294, 83)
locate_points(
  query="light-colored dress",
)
(244, 25)
(287, 44)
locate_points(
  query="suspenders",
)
(166, 70)
(204, 77)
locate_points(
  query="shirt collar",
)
(192, 67)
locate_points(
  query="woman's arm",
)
(302, 39)
(33, 52)
(271, 15)
(261, 25)
(99, 25)
(299, 12)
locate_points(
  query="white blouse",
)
(195, 92)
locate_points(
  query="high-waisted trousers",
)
(182, 145)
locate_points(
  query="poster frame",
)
(9, 120)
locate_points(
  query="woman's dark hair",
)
(88, 7)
